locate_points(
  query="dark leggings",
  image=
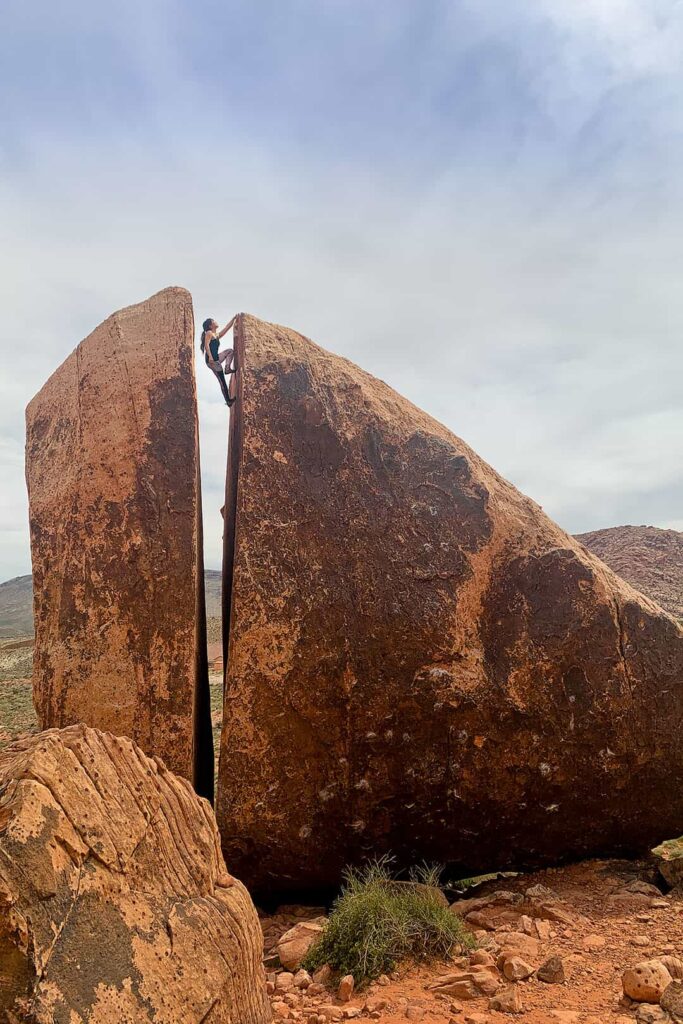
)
(224, 385)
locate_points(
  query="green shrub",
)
(377, 922)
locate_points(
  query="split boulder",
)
(420, 661)
(114, 504)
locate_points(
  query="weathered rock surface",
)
(672, 1001)
(420, 661)
(646, 982)
(112, 468)
(648, 558)
(115, 903)
(295, 943)
(669, 858)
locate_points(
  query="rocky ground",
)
(17, 715)
(16, 657)
(592, 921)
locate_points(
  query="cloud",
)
(478, 203)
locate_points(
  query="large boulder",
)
(115, 903)
(113, 478)
(420, 661)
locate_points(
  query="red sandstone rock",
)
(113, 471)
(115, 903)
(420, 661)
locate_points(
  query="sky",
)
(479, 201)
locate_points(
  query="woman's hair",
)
(206, 326)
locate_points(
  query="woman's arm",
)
(227, 326)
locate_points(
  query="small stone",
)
(673, 964)
(594, 943)
(516, 969)
(375, 1006)
(646, 1014)
(383, 980)
(464, 989)
(345, 990)
(284, 982)
(640, 940)
(296, 942)
(552, 971)
(302, 979)
(646, 982)
(477, 1018)
(669, 857)
(509, 1000)
(414, 1012)
(323, 976)
(482, 957)
(330, 1012)
(566, 1016)
(352, 1011)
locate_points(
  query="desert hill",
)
(648, 558)
(16, 607)
(16, 603)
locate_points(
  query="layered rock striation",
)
(419, 661)
(112, 467)
(115, 903)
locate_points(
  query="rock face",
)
(112, 468)
(648, 558)
(420, 661)
(115, 903)
(669, 859)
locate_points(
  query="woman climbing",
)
(220, 362)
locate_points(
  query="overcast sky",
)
(480, 201)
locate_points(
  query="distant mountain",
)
(16, 607)
(16, 603)
(212, 592)
(648, 558)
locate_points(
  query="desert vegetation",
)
(378, 921)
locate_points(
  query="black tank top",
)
(213, 349)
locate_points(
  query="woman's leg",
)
(225, 359)
(224, 387)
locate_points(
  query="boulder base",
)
(420, 661)
(115, 903)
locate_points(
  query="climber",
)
(221, 363)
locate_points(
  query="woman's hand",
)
(228, 325)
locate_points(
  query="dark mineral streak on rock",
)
(420, 662)
(112, 468)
